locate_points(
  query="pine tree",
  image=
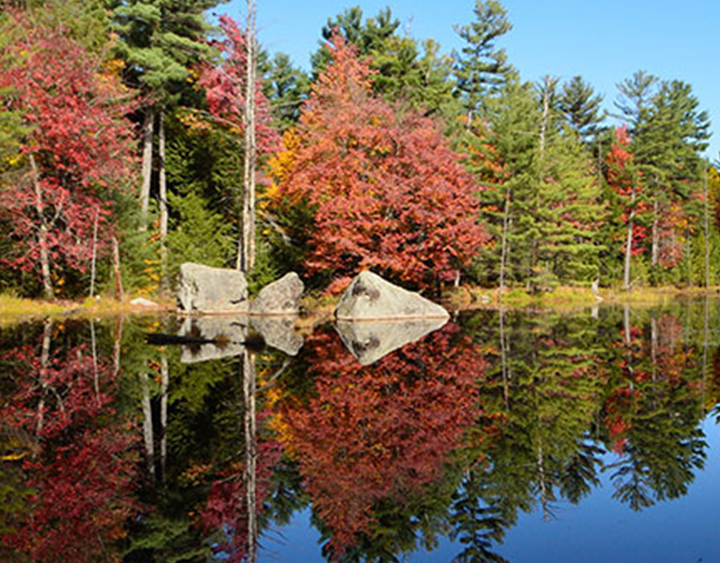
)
(160, 41)
(582, 108)
(481, 68)
(286, 87)
(668, 133)
(508, 150)
(569, 209)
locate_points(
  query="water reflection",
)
(371, 341)
(111, 448)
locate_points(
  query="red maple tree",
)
(384, 188)
(628, 185)
(75, 150)
(224, 85)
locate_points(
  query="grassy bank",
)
(319, 308)
(572, 297)
(14, 309)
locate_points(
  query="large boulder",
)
(371, 341)
(281, 297)
(211, 290)
(370, 297)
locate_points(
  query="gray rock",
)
(211, 290)
(371, 297)
(142, 302)
(281, 297)
(279, 332)
(371, 341)
(214, 338)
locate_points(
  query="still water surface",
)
(520, 437)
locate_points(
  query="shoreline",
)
(317, 309)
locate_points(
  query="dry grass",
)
(567, 298)
(318, 309)
(17, 309)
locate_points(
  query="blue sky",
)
(605, 42)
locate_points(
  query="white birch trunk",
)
(162, 188)
(148, 127)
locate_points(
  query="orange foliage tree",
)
(383, 187)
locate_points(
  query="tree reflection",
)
(379, 432)
(78, 462)
(112, 450)
(652, 412)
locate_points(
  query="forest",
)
(136, 135)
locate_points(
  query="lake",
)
(521, 436)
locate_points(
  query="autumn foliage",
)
(384, 188)
(627, 183)
(80, 462)
(225, 88)
(378, 431)
(76, 149)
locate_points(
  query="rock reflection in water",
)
(279, 333)
(216, 337)
(369, 341)
(213, 338)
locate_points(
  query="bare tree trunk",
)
(549, 86)
(148, 425)
(653, 345)
(246, 256)
(655, 235)
(503, 357)
(42, 232)
(44, 363)
(116, 268)
(249, 385)
(628, 344)
(94, 255)
(706, 226)
(504, 244)
(164, 384)
(544, 500)
(93, 345)
(148, 127)
(626, 324)
(162, 187)
(628, 245)
(117, 345)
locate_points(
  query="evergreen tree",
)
(160, 41)
(286, 87)
(582, 108)
(668, 132)
(569, 209)
(418, 76)
(506, 157)
(371, 37)
(481, 68)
